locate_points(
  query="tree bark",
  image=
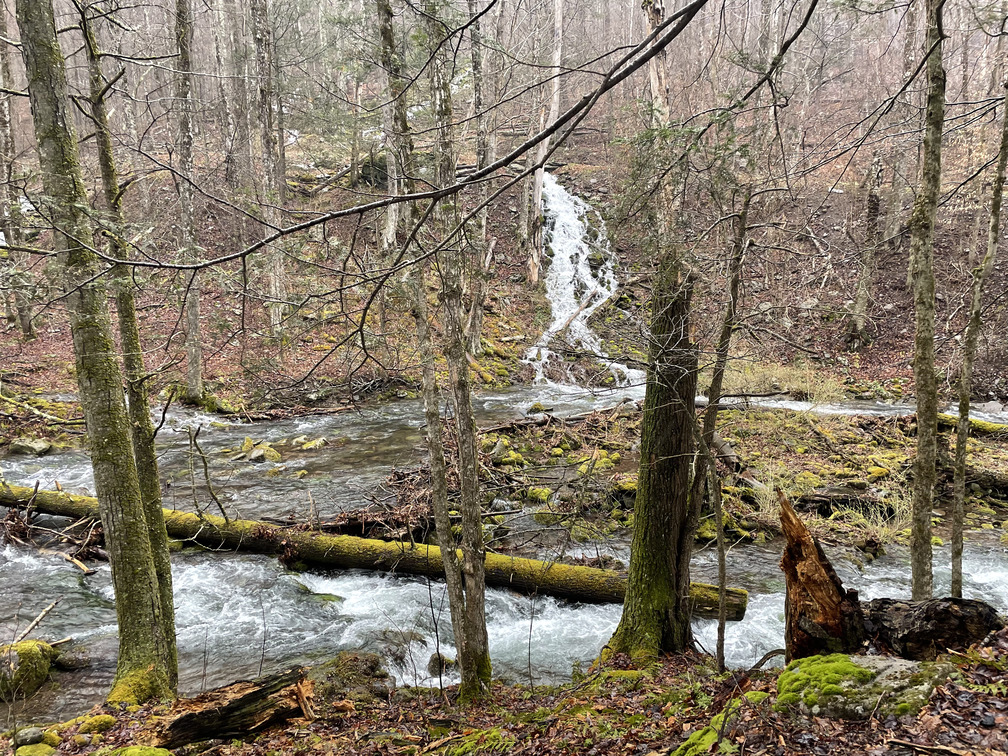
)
(10, 204)
(820, 617)
(536, 214)
(924, 629)
(858, 335)
(187, 219)
(980, 275)
(657, 609)
(312, 549)
(922, 223)
(138, 401)
(270, 197)
(144, 657)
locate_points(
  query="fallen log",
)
(312, 549)
(820, 617)
(922, 630)
(234, 711)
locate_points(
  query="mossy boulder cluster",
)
(843, 687)
(24, 667)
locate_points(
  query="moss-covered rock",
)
(99, 723)
(540, 495)
(547, 517)
(843, 687)
(24, 667)
(38, 749)
(353, 675)
(140, 751)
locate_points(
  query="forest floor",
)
(680, 705)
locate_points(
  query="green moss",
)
(137, 686)
(140, 751)
(99, 723)
(510, 458)
(39, 749)
(24, 667)
(818, 678)
(51, 738)
(547, 517)
(539, 494)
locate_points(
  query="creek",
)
(240, 615)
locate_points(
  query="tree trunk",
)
(276, 276)
(10, 203)
(470, 630)
(922, 223)
(980, 276)
(138, 402)
(857, 335)
(187, 219)
(239, 165)
(312, 549)
(656, 613)
(820, 617)
(143, 670)
(536, 214)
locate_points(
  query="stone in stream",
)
(37, 447)
(24, 667)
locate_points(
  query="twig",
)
(35, 622)
(927, 748)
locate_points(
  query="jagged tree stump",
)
(820, 616)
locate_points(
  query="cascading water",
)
(580, 279)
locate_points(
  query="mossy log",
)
(977, 427)
(819, 615)
(236, 710)
(530, 576)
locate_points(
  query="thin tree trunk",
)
(902, 165)
(144, 657)
(276, 278)
(239, 166)
(536, 216)
(922, 223)
(187, 219)
(483, 251)
(980, 276)
(471, 634)
(858, 335)
(20, 281)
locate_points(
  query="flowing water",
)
(238, 615)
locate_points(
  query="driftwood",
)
(312, 549)
(819, 615)
(233, 711)
(923, 629)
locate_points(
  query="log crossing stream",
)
(240, 615)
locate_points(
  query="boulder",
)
(352, 675)
(24, 667)
(845, 687)
(36, 447)
(28, 736)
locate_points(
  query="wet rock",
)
(439, 664)
(257, 455)
(28, 736)
(37, 447)
(352, 675)
(923, 629)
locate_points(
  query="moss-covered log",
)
(346, 552)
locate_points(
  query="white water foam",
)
(573, 289)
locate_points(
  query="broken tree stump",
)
(235, 710)
(820, 617)
(922, 630)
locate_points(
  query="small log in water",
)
(529, 576)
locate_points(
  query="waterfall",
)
(575, 288)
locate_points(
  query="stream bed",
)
(240, 615)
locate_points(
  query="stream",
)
(240, 615)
